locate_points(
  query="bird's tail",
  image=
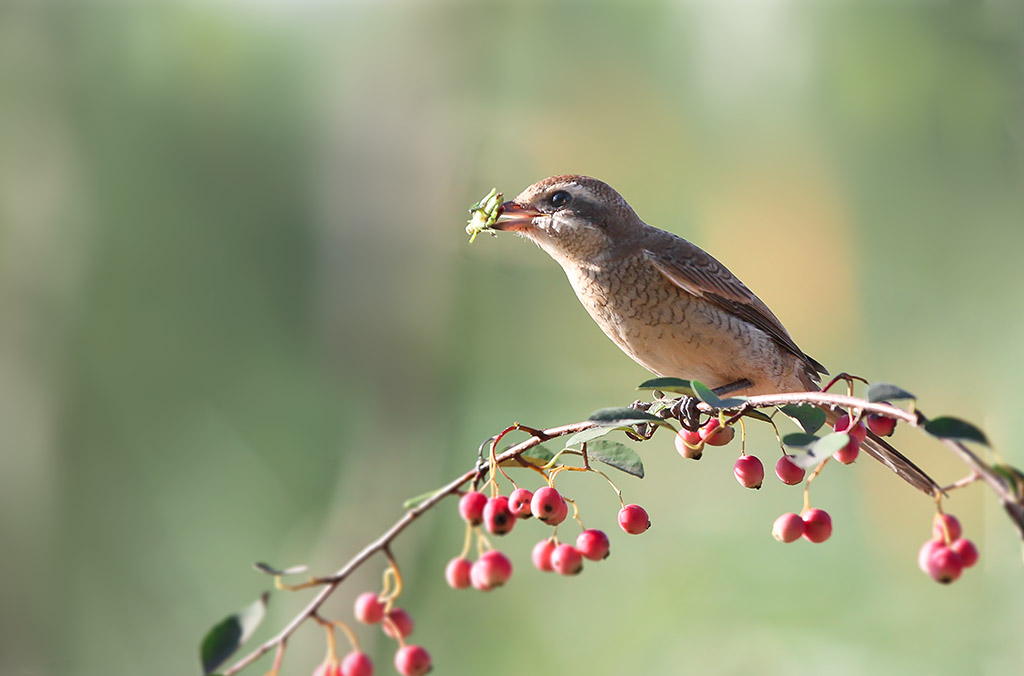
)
(884, 453)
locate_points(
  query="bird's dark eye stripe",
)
(560, 198)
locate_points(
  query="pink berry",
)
(548, 504)
(356, 664)
(788, 527)
(944, 565)
(566, 560)
(327, 668)
(541, 555)
(519, 503)
(368, 609)
(471, 507)
(749, 471)
(714, 434)
(457, 573)
(848, 453)
(633, 519)
(817, 525)
(946, 522)
(843, 425)
(925, 553)
(498, 518)
(398, 620)
(880, 425)
(593, 544)
(966, 550)
(491, 570)
(788, 471)
(689, 444)
(412, 660)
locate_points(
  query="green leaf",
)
(707, 395)
(809, 418)
(878, 392)
(676, 385)
(1014, 478)
(270, 570)
(623, 416)
(799, 440)
(619, 456)
(954, 428)
(820, 449)
(413, 503)
(230, 633)
(757, 415)
(592, 433)
(539, 453)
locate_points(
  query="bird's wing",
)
(698, 273)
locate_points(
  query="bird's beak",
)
(515, 218)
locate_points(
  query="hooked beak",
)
(515, 218)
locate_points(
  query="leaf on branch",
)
(809, 418)
(538, 455)
(799, 440)
(592, 433)
(1013, 476)
(820, 449)
(619, 456)
(947, 427)
(879, 392)
(707, 395)
(230, 633)
(270, 570)
(676, 385)
(413, 503)
(757, 415)
(623, 416)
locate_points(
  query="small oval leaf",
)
(799, 440)
(619, 456)
(592, 433)
(809, 418)
(227, 635)
(413, 503)
(879, 392)
(270, 570)
(676, 385)
(708, 396)
(623, 416)
(948, 427)
(830, 443)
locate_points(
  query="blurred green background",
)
(241, 321)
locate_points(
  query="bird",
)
(668, 304)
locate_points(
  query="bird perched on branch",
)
(666, 302)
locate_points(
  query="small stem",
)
(807, 485)
(278, 659)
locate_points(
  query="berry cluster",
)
(498, 514)
(945, 556)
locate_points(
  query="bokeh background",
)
(241, 320)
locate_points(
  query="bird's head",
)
(573, 218)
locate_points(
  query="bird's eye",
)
(560, 199)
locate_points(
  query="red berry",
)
(689, 444)
(843, 425)
(566, 560)
(848, 453)
(491, 570)
(541, 555)
(788, 527)
(817, 525)
(633, 519)
(714, 434)
(356, 664)
(548, 504)
(398, 620)
(498, 518)
(946, 522)
(471, 507)
(457, 573)
(749, 471)
(925, 553)
(880, 425)
(519, 503)
(368, 609)
(788, 471)
(412, 660)
(593, 544)
(966, 550)
(944, 565)
(327, 669)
